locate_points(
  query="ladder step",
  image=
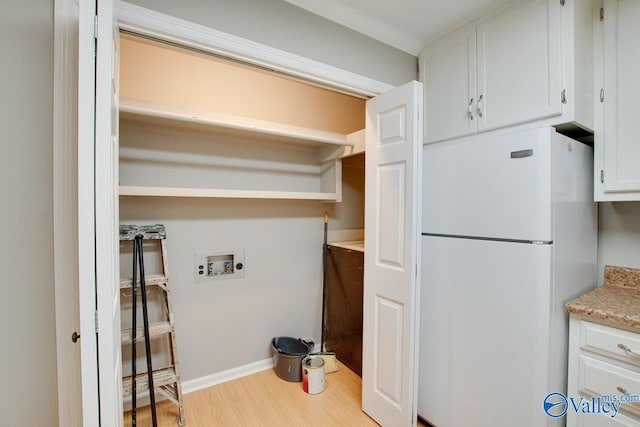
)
(150, 280)
(161, 377)
(148, 232)
(155, 330)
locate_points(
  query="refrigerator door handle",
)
(521, 154)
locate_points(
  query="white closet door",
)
(392, 213)
(107, 217)
(448, 72)
(519, 75)
(86, 214)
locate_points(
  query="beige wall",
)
(281, 25)
(197, 82)
(28, 352)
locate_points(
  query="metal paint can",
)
(313, 375)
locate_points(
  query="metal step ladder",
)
(166, 379)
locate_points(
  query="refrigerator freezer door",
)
(484, 333)
(495, 186)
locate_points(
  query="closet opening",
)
(233, 157)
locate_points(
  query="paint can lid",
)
(313, 362)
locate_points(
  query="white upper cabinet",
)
(519, 66)
(523, 63)
(617, 145)
(450, 84)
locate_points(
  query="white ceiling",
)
(403, 24)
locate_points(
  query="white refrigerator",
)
(509, 235)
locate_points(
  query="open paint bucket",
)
(288, 354)
(313, 375)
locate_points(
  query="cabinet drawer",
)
(597, 420)
(597, 378)
(611, 342)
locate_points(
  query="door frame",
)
(145, 22)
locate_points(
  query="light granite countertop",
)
(617, 301)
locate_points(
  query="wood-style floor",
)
(263, 399)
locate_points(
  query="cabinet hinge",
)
(95, 27)
(96, 321)
(602, 95)
(562, 2)
(601, 14)
(602, 176)
(563, 96)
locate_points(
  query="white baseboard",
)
(228, 375)
(207, 381)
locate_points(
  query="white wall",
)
(228, 323)
(619, 236)
(223, 324)
(287, 27)
(28, 368)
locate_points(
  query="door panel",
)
(392, 206)
(490, 186)
(389, 323)
(448, 71)
(622, 86)
(519, 65)
(484, 332)
(390, 248)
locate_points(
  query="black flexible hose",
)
(324, 278)
(134, 285)
(147, 338)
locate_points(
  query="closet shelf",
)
(139, 111)
(225, 193)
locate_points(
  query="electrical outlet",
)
(216, 265)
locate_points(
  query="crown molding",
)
(146, 22)
(356, 20)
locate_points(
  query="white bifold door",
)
(98, 260)
(392, 216)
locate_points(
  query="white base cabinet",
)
(523, 63)
(617, 144)
(599, 365)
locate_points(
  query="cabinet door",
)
(519, 75)
(448, 71)
(622, 90)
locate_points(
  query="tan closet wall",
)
(200, 82)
